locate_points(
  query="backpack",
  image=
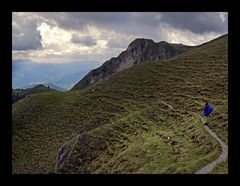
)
(207, 110)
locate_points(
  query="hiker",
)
(207, 109)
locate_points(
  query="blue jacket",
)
(207, 110)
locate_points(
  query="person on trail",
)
(207, 109)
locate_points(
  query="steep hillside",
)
(140, 50)
(123, 124)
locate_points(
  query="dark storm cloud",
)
(117, 29)
(79, 20)
(137, 22)
(143, 24)
(87, 40)
(25, 35)
(196, 22)
(127, 22)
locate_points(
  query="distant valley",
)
(65, 75)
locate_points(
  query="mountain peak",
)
(139, 42)
(138, 51)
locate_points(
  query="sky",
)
(83, 37)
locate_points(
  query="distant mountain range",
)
(51, 85)
(139, 51)
(26, 73)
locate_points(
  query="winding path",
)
(224, 154)
(206, 169)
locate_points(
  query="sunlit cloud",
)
(187, 37)
(58, 37)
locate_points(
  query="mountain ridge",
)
(138, 51)
(18, 94)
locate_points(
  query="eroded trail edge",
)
(204, 170)
(224, 154)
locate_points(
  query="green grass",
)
(18, 94)
(147, 149)
(221, 168)
(124, 122)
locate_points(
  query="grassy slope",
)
(37, 89)
(221, 168)
(18, 94)
(124, 123)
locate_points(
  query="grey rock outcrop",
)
(140, 50)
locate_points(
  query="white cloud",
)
(185, 36)
(59, 36)
(53, 37)
(87, 40)
(58, 44)
(120, 40)
(223, 16)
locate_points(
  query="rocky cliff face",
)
(140, 50)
